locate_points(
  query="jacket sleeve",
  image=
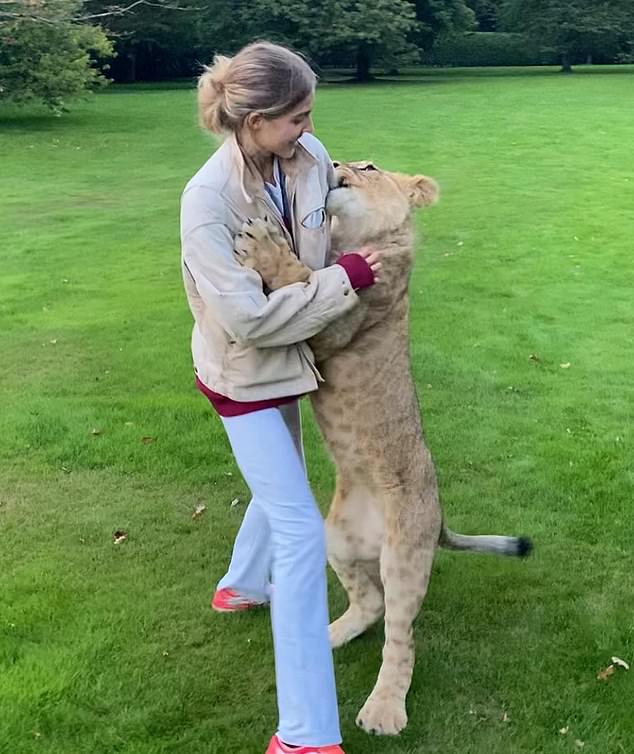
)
(235, 296)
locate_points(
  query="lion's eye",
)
(369, 166)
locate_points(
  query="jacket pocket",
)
(315, 219)
(264, 368)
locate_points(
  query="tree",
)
(574, 29)
(153, 39)
(46, 55)
(225, 26)
(368, 33)
(361, 33)
(438, 18)
(486, 13)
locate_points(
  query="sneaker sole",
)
(239, 609)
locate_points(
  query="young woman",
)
(252, 361)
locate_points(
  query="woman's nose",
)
(309, 127)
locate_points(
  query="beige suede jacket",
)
(249, 345)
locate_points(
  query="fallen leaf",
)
(621, 663)
(119, 536)
(65, 469)
(199, 510)
(506, 718)
(147, 440)
(166, 653)
(95, 432)
(564, 731)
(579, 744)
(533, 357)
(604, 674)
(53, 341)
(566, 365)
(129, 424)
(228, 473)
(234, 502)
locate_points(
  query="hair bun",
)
(211, 94)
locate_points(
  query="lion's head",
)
(369, 202)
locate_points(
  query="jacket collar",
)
(251, 182)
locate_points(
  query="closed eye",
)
(369, 166)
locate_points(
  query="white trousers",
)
(282, 542)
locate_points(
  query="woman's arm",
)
(235, 294)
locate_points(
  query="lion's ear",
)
(422, 191)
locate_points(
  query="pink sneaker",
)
(229, 601)
(279, 747)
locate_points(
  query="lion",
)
(385, 520)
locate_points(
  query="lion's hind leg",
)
(365, 599)
(406, 561)
(354, 533)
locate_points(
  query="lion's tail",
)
(518, 547)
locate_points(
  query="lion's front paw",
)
(383, 715)
(258, 244)
(261, 246)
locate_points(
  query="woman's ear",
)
(254, 121)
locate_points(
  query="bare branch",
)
(114, 10)
(117, 10)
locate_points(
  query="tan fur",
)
(385, 520)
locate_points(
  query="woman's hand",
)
(372, 258)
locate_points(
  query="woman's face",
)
(279, 135)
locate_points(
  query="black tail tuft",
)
(524, 547)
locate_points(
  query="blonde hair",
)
(262, 77)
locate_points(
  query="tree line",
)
(52, 50)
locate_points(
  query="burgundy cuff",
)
(358, 270)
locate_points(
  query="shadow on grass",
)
(431, 75)
(36, 119)
(151, 86)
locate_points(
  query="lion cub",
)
(385, 520)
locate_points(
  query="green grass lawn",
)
(522, 334)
